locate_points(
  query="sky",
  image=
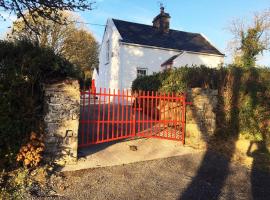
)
(210, 17)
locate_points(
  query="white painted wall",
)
(109, 71)
(189, 58)
(134, 56)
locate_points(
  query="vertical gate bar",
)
(143, 113)
(99, 99)
(134, 112)
(147, 111)
(103, 114)
(139, 113)
(171, 116)
(122, 110)
(88, 116)
(113, 113)
(159, 112)
(179, 122)
(164, 114)
(126, 121)
(109, 113)
(94, 117)
(167, 112)
(175, 102)
(131, 114)
(118, 112)
(152, 110)
(156, 108)
(183, 118)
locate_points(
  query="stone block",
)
(69, 133)
(62, 120)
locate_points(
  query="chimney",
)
(162, 21)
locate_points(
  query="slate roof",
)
(142, 34)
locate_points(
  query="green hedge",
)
(24, 68)
(244, 95)
(178, 80)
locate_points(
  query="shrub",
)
(244, 95)
(179, 79)
(24, 68)
(31, 153)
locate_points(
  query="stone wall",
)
(201, 116)
(62, 110)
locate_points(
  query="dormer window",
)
(108, 51)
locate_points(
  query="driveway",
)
(181, 177)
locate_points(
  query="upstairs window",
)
(141, 72)
(108, 51)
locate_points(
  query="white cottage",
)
(129, 50)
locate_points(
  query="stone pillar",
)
(62, 111)
(201, 116)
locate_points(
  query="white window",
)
(141, 72)
(108, 51)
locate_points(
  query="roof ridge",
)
(152, 26)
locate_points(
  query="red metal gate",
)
(108, 115)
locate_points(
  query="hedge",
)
(244, 95)
(24, 68)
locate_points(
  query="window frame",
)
(142, 68)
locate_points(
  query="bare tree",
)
(251, 39)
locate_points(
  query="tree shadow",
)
(260, 176)
(214, 169)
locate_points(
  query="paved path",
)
(122, 152)
(181, 177)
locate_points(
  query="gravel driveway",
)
(170, 178)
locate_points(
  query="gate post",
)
(62, 111)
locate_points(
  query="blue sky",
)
(210, 17)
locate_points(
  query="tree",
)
(71, 41)
(251, 40)
(81, 49)
(46, 9)
(24, 68)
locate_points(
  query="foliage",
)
(149, 83)
(251, 46)
(24, 68)
(46, 9)
(178, 80)
(248, 114)
(15, 185)
(74, 43)
(31, 153)
(25, 183)
(250, 40)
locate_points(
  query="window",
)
(141, 72)
(108, 51)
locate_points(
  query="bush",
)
(31, 153)
(24, 68)
(244, 95)
(179, 79)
